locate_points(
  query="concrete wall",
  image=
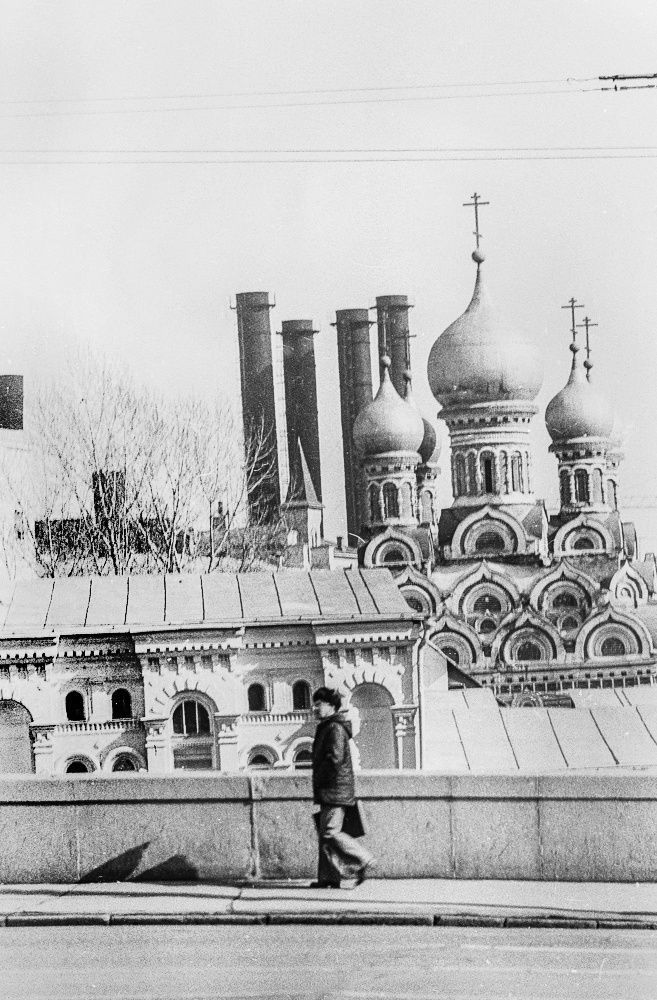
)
(565, 827)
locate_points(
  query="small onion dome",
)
(388, 423)
(578, 411)
(429, 450)
(477, 361)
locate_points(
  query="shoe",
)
(364, 872)
(324, 885)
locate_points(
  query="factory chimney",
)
(301, 402)
(394, 336)
(355, 369)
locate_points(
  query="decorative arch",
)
(302, 745)
(419, 592)
(481, 580)
(584, 531)
(523, 630)
(113, 760)
(392, 548)
(565, 577)
(488, 521)
(451, 632)
(613, 624)
(627, 587)
(79, 763)
(261, 756)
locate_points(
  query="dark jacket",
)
(333, 772)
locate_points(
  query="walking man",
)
(340, 856)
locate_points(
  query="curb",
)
(419, 919)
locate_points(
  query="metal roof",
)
(75, 603)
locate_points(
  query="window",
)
(415, 603)
(516, 473)
(597, 486)
(569, 624)
(124, 763)
(256, 696)
(489, 541)
(612, 497)
(528, 651)
(565, 600)
(583, 543)
(487, 625)
(426, 507)
(394, 556)
(581, 486)
(406, 500)
(75, 707)
(190, 718)
(488, 472)
(451, 655)
(564, 488)
(77, 767)
(301, 696)
(261, 757)
(121, 704)
(613, 647)
(375, 505)
(390, 501)
(487, 603)
(303, 758)
(460, 476)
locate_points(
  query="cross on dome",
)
(573, 304)
(588, 364)
(476, 202)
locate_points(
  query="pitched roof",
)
(120, 602)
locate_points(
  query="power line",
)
(336, 151)
(210, 160)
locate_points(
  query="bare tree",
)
(122, 481)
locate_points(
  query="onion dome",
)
(476, 360)
(430, 447)
(578, 411)
(388, 423)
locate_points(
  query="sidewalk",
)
(427, 902)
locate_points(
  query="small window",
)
(528, 651)
(565, 600)
(564, 488)
(394, 556)
(121, 704)
(583, 543)
(613, 647)
(451, 655)
(190, 718)
(75, 707)
(460, 477)
(488, 471)
(375, 505)
(406, 494)
(487, 603)
(301, 696)
(261, 760)
(426, 507)
(77, 767)
(487, 626)
(581, 486)
(489, 541)
(124, 763)
(390, 501)
(256, 696)
(569, 624)
(303, 758)
(415, 603)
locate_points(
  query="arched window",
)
(301, 696)
(77, 767)
(257, 700)
(121, 704)
(406, 494)
(451, 655)
(472, 476)
(488, 473)
(489, 541)
(487, 604)
(303, 758)
(581, 486)
(190, 718)
(426, 507)
(390, 501)
(569, 624)
(124, 763)
(528, 651)
(613, 646)
(415, 603)
(597, 486)
(564, 487)
(261, 758)
(516, 472)
(375, 505)
(487, 625)
(460, 476)
(74, 707)
(612, 495)
(583, 543)
(564, 599)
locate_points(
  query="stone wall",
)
(566, 827)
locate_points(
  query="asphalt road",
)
(304, 961)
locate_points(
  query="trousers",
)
(340, 856)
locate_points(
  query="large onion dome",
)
(477, 360)
(578, 411)
(388, 423)
(430, 446)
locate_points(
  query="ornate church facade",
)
(533, 607)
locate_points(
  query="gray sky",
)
(140, 259)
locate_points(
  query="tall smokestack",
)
(394, 336)
(11, 402)
(355, 368)
(258, 401)
(301, 400)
